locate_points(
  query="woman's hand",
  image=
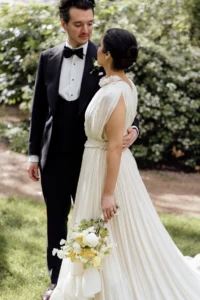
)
(108, 207)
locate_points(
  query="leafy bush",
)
(167, 73)
(167, 77)
(25, 32)
(16, 136)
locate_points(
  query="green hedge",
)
(25, 32)
(167, 73)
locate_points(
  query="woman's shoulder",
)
(112, 87)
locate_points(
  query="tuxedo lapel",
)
(54, 68)
(87, 77)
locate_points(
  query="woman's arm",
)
(114, 130)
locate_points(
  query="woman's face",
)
(100, 55)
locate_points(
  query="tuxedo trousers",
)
(59, 180)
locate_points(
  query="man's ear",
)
(63, 24)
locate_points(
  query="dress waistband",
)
(90, 143)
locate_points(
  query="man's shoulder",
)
(53, 50)
(92, 44)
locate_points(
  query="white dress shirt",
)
(71, 75)
(70, 80)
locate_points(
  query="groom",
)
(63, 89)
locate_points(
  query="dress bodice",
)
(103, 104)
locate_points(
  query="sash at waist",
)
(96, 144)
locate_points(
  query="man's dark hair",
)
(65, 6)
(122, 46)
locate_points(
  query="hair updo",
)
(122, 46)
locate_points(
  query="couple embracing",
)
(83, 121)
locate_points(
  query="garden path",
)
(171, 192)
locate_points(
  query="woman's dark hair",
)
(122, 46)
(65, 6)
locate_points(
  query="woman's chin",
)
(99, 63)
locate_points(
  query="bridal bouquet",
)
(86, 247)
(87, 243)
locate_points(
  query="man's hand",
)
(33, 171)
(129, 138)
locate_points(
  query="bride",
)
(146, 264)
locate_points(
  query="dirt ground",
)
(171, 192)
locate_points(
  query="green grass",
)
(185, 232)
(23, 273)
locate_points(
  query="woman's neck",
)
(111, 72)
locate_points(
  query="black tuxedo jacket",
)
(46, 97)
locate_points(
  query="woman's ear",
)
(107, 54)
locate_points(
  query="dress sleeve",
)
(111, 99)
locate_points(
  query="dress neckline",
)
(113, 78)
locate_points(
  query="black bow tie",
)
(68, 52)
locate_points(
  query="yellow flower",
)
(80, 241)
(87, 253)
(71, 255)
(96, 261)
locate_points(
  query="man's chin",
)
(84, 39)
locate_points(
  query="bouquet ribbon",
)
(85, 282)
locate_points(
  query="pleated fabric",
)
(145, 264)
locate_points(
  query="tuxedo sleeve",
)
(136, 125)
(39, 110)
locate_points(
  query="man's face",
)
(79, 27)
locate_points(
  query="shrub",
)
(25, 32)
(167, 73)
(16, 136)
(167, 78)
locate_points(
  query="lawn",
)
(23, 274)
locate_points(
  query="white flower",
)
(96, 64)
(91, 240)
(77, 251)
(102, 217)
(66, 248)
(103, 249)
(83, 260)
(91, 229)
(60, 254)
(54, 251)
(62, 242)
(76, 245)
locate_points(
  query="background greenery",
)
(167, 74)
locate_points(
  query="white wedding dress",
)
(146, 264)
